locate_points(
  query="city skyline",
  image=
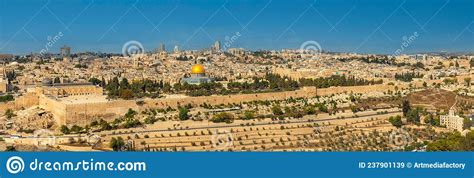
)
(342, 26)
(145, 78)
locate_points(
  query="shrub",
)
(223, 117)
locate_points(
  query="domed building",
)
(198, 76)
(198, 70)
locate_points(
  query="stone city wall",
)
(355, 89)
(81, 114)
(84, 113)
(24, 101)
(57, 108)
(226, 99)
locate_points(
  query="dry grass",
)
(434, 99)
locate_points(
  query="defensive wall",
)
(81, 113)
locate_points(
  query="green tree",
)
(10, 148)
(322, 107)
(453, 142)
(9, 113)
(117, 144)
(64, 129)
(124, 84)
(413, 115)
(102, 83)
(130, 113)
(76, 129)
(113, 88)
(6, 98)
(95, 81)
(150, 120)
(408, 77)
(223, 117)
(432, 120)
(466, 123)
(396, 121)
(183, 113)
(310, 110)
(276, 109)
(467, 80)
(56, 80)
(405, 107)
(104, 125)
(131, 122)
(248, 115)
(126, 94)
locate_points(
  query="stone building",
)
(198, 76)
(452, 121)
(3, 80)
(70, 89)
(3, 85)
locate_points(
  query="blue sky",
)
(363, 26)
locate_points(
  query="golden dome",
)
(198, 69)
